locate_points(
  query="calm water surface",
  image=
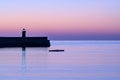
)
(82, 60)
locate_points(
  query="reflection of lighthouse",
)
(23, 57)
(23, 63)
(23, 33)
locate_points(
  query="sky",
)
(61, 19)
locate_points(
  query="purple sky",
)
(61, 19)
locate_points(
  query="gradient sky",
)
(61, 19)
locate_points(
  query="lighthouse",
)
(23, 33)
(24, 41)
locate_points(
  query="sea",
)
(81, 60)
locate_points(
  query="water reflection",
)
(23, 57)
(23, 62)
(35, 56)
(79, 61)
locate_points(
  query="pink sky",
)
(60, 17)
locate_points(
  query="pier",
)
(24, 41)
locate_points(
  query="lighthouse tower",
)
(23, 33)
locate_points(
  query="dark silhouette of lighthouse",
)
(24, 41)
(23, 33)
